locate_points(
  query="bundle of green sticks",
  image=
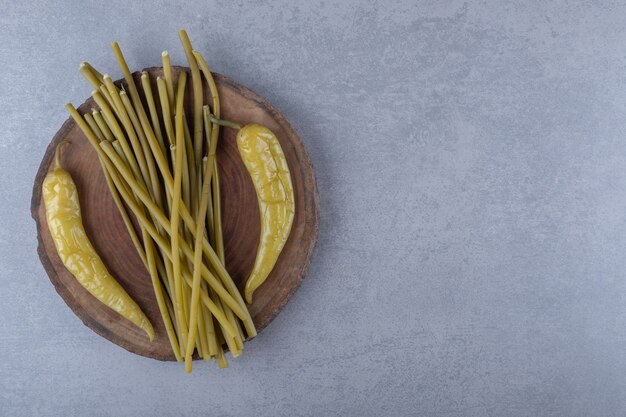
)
(166, 175)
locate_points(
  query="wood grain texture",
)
(241, 222)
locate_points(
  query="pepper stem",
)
(57, 154)
(225, 123)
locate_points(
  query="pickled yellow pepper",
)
(76, 251)
(265, 161)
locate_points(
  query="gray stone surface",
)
(471, 165)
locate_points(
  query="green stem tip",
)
(225, 123)
(57, 153)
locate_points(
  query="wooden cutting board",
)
(241, 222)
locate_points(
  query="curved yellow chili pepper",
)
(266, 163)
(267, 166)
(75, 250)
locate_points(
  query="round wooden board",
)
(241, 222)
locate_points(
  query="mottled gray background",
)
(471, 165)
